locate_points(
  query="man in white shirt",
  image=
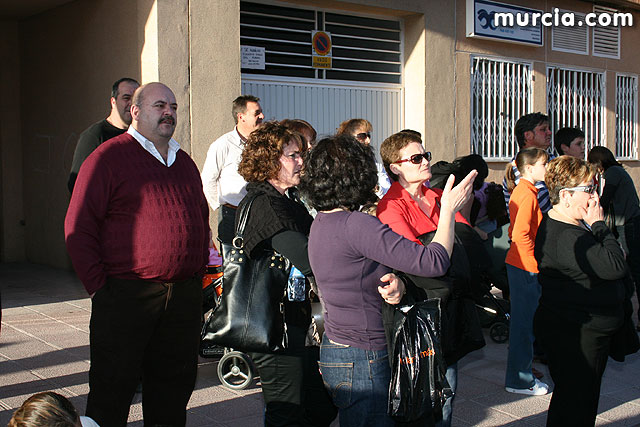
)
(223, 187)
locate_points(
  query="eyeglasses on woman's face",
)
(416, 159)
(584, 188)
(362, 136)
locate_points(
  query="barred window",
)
(575, 98)
(626, 116)
(363, 49)
(501, 92)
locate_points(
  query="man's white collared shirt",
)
(174, 146)
(220, 178)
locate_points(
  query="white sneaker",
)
(539, 388)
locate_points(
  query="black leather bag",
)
(250, 314)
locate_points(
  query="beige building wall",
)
(541, 57)
(70, 57)
(63, 62)
(12, 242)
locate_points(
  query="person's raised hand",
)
(594, 211)
(454, 198)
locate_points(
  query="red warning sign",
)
(321, 42)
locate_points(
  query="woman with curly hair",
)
(291, 385)
(349, 251)
(582, 303)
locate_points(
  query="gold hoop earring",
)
(567, 205)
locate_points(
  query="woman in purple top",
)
(349, 252)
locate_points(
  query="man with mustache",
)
(117, 123)
(137, 232)
(223, 186)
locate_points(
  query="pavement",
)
(44, 345)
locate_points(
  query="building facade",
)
(433, 66)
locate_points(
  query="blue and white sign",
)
(504, 22)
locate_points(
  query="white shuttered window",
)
(501, 92)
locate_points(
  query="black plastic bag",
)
(418, 385)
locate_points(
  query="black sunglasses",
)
(416, 159)
(363, 135)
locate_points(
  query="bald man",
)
(136, 231)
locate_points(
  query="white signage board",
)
(252, 57)
(481, 22)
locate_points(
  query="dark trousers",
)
(226, 224)
(577, 358)
(149, 330)
(292, 387)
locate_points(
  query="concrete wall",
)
(12, 244)
(70, 57)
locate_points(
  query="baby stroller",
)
(235, 369)
(493, 312)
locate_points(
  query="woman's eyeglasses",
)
(363, 135)
(584, 188)
(416, 159)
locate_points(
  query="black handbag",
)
(250, 313)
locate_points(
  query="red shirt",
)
(399, 211)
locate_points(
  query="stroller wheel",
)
(235, 370)
(499, 332)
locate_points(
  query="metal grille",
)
(576, 98)
(500, 95)
(626, 117)
(364, 49)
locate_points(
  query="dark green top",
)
(89, 140)
(620, 193)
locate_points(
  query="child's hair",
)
(45, 409)
(526, 157)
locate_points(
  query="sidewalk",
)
(44, 345)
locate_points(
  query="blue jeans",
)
(447, 408)
(358, 382)
(525, 294)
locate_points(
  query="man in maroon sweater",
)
(136, 231)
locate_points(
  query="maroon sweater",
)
(132, 217)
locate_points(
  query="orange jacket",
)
(525, 215)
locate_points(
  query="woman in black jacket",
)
(582, 271)
(271, 163)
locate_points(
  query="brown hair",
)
(526, 157)
(300, 126)
(239, 105)
(349, 127)
(45, 409)
(566, 172)
(390, 149)
(261, 155)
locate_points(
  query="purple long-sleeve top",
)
(349, 252)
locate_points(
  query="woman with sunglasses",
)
(361, 130)
(411, 209)
(581, 273)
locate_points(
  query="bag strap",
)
(238, 241)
